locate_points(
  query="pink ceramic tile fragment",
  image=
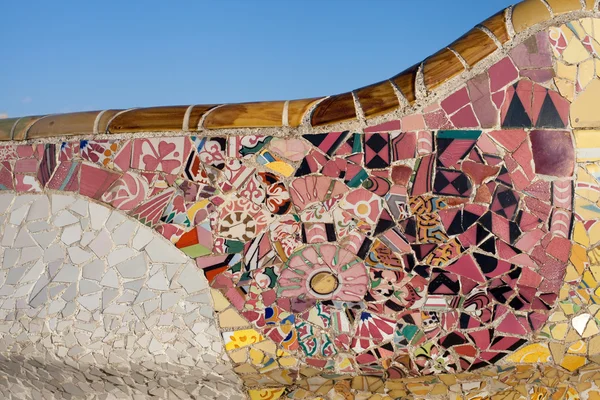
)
(502, 73)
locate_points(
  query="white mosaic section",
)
(95, 305)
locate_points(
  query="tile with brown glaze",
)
(497, 25)
(149, 119)
(297, 109)
(405, 82)
(377, 99)
(6, 127)
(246, 115)
(334, 109)
(474, 46)
(19, 131)
(198, 111)
(63, 125)
(529, 13)
(104, 120)
(440, 67)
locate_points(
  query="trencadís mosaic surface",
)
(448, 252)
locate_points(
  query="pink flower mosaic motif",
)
(160, 154)
(324, 273)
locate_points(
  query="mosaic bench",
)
(435, 235)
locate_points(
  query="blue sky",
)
(65, 56)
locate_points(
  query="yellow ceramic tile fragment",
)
(239, 356)
(580, 234)
(596, 26)
(572, 274)
(587, 72)
(579, 31)
(579, 347)
(579, 258)
(533, 353)
(231, 319)
(596, 46)
(557, 316)
(572, 336)
(588, 25)
(219, 301)
(594, 257)
(257, 357)
(268, 346)
(568, 308)
(584, 112)
(288, 362)
(586, 210)
(594, 345)
(559, 331)
(575, 52)
(591, 329)
(566, 71)
(587, 142)
(419, 389)
(281, 167)
(245, 369)
(565, 88)
(266, 394)
(573, 363)
(539, 393)
(439, 390)
(242, 338)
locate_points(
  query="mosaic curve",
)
(449, 253)
(94, 303)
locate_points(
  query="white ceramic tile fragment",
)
(161, 251)
(97, 287)
(64, 218)
(133, 268)
(580, 322)
(98, 215)
(61, 202)
(18, 216)
(102, 244)
(71, 234)
(78, 255)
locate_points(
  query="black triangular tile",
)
(516, 117)
(549, 117)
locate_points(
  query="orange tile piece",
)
(63, 125)
(21, 127)
(187, 239)
(529, 13)
(246, 115)
(564, 6)
(149, 119)
(297, 109)
(377, 99)
(6, 125)
(441, 67)
(405, 82)
(336, 108)
(474, 46)
(104, 120)
(589, 4)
